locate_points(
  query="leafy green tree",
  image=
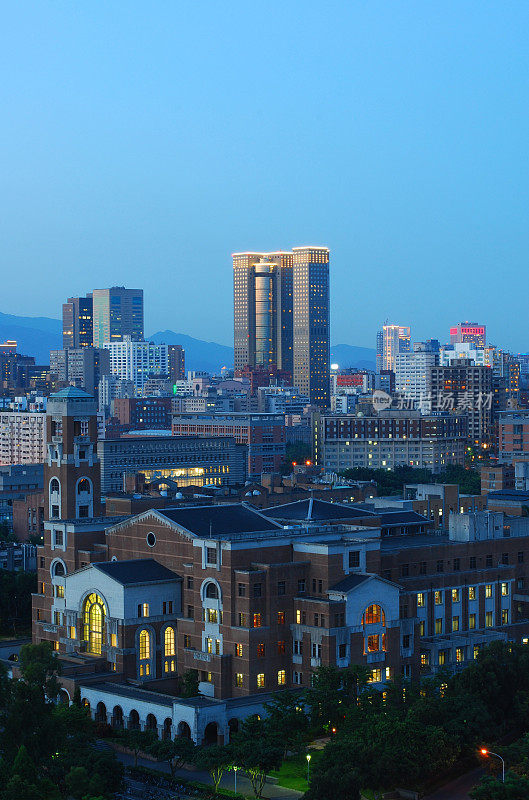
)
(332, 693)
(174, 752)
(287, 719)
(137, 741)
(39, 667)
(190, 681)
(257, 749)
(215, 759)
(516, 787)
(334, 776)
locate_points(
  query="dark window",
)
(281, 648)
(211, 555)
(488, 560)
(387, 574)
(83, 511)
(281, 587)
(189, 582)
(342, 651)
(440, 565)
(242, 590)
(422, 568)
(316, 620)
(354, 559)
(520, 556)
(257, 590)
(505, 558)
(314, 585)
(42, 561)
(320, 587)
(472, 562)
(457, 564)
(406, 640)
(301, 586)
(190, 612)
(404, 612)
(404, 570)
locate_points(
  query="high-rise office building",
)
(281, 316)
(177, 362)
(138, 361)
(471, 332)
(77, 322)
(118, 312)
(311, 322)
(391, 340)
(262, 284)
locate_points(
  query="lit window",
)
(169, 642)
(238, 650)
(373, 616)
(145, 645)
(373, 643)
(455, 595)
(476, 650)
(420, 600)
(488, 590)
(422, 627)
(376, 675)
(489, 619)
(471, 592)
(257, 620)
(438, 596)
(298, 616)
(505, 616)
(261, 680)
(442, 657)
(471, 621)
(425, 659)
(505, 589)
(455, 623)
(73, 632)
(113, 640)
(439, 625)
(460, 655)
(238, 679)
(59, 591)
(281, 677)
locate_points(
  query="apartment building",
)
(22, 437)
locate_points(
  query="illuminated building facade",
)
(470, 332)
(78, 322)
(118, 312)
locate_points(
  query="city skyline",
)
(413, 147)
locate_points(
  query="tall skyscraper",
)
(281, 316)
(391, 340)
(177, 362)
(262, 284)
(118, 312)
(471, 332)
(77, 322)
(311, 322)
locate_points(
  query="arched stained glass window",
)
(94, 613)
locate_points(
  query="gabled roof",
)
(356, 579)
(350, 582)
(219, 521)
(138, 570)
(316, 510)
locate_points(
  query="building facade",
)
(190, 460)
(389, 440)
(137, 361)
(471, 332)
(391, 340)
(262, 434)
(78, 322)
(467, 388)
(117, 312)
(22, 437)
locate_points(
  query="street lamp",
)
(235, 779)
(486, 752)
(308, 766)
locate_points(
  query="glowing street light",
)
(235, 779)
(486, 752)
(308, 766)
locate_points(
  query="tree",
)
(516, 787)
(190, 683)
(333, 691)
(215, 759)
(39, 667)
(287, 719)
(175, 752)
(137, 741)
(257, 750)
(334, 776)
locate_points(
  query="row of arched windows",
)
(146, 651)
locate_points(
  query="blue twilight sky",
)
(143, 142)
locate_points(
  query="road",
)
(459, 788)
(243, 784)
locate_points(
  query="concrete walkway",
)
(459, 788)
(243, 784)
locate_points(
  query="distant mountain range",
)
(36, 336)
